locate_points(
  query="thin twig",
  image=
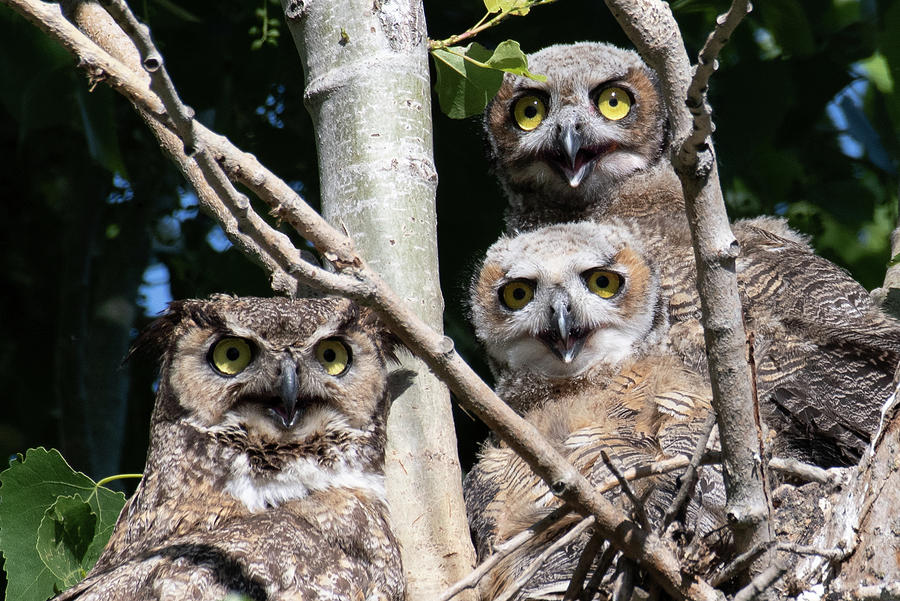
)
(503, 550)
(689, 478)
(624, 585)
(576, 582)
(486, 22)
(802, 471)
(707, 64)
(761, 582)
(739, 564)
(629, 492)
(603, 565)
(541, 559)
(833, 554)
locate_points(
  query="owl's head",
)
(563, 299)
(283, 387)
(596, 119)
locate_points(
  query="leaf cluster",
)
(54, 523)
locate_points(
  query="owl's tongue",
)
(576, 170)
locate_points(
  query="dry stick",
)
(629, 492)
(624, 585)
(603, 564)
(689, 478)
(803, 471)
(504, 550)
(541, 559)
(361, 284)
(651, 27)
(829, 554)
(739, 563)
(761, 582)
(510, 546)
(576, 582)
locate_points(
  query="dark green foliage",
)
(54, 522)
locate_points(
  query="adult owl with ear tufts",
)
(265, 470)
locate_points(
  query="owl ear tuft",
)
(153, 340)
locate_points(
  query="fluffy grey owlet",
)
(265, 470)
(588, 143)
(572, 320)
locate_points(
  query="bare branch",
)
(576, 582)
(626, 488)
(504, 550)
(707, 64)
(830, 554)
(651, 27)
(761, 582)
(541, 559)
(802, 471)
(689, 478)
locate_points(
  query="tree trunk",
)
(368, 91)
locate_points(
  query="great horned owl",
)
(572, 320)
(588, 143)
(265, 470)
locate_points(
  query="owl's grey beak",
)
(566, 339)
(575, 161)
(289, 389)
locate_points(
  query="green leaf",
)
(63, 539)
(878, 72)
(508, 56)
(492, 6)
(465, 83)
(29, 490)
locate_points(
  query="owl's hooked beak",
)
(286, 409)
(575, 161)
(566, 339)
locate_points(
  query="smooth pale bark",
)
(368, 91)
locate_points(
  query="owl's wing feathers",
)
(651, 410)
(293, 561)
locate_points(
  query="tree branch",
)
(651, 27)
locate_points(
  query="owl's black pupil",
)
(613, 101)
(531, 111)
(518, 293)
(329, 355)
(233, 353)
(602, 281)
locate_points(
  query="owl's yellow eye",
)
(516, 294)
(230, 356)
(614, 103)
(604, 284)
(334, 356)
(529, 111)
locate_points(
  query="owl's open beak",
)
(566, 339)
(286, 409)
(575, 161)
